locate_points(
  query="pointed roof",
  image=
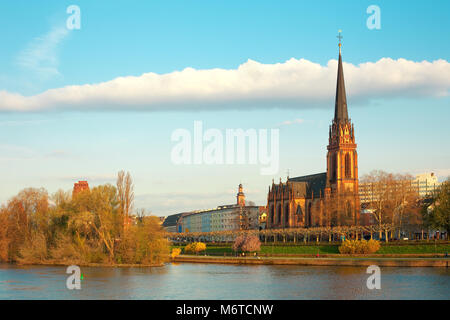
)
(340, 108)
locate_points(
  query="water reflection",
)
(214, 281)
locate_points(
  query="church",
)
(324, 199)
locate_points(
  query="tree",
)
(405, 205)
(24, 215)
(437, 214)
(81, 229)
(247, 243)
(394, 200)
(97, 217)
(4, 239)
(125, 194)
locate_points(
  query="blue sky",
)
(397, 130)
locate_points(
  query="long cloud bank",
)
(292, 84)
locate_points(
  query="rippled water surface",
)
(215, 281)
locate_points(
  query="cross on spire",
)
(340, 111)
(339, 36)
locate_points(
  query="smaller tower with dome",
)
(240, 196)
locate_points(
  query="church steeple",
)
(340, 108)
(342, 158)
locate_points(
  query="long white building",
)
(223, 218)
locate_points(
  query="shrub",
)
(195, 247)
(175, 252)
(373, 245)
(247, 243)
(359, 247)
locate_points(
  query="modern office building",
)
(427, 183)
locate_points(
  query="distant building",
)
(427, 183)
(170, 223)
(223, 218)
(79, 187)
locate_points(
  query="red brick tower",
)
(79, 187)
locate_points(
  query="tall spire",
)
(340, 109)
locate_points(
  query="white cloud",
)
(41, 54)
(290, 122)
(292, 84)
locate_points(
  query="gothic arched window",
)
(286, 215)
(333, 167)
(348, 166)
(309, 215)
(299, 214)
(272, 215)
(279, 213)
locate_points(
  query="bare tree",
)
(125, 193)
(393, 199)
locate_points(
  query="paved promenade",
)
(336, 261)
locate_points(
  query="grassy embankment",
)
(420, 248)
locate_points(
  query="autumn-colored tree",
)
(4, 239)
(97, 216)
(26, 214)
(125, 195)
(85, 228)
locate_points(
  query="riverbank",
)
(353, 260)
(277, 249)
(103, 265)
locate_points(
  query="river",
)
(215, 281)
